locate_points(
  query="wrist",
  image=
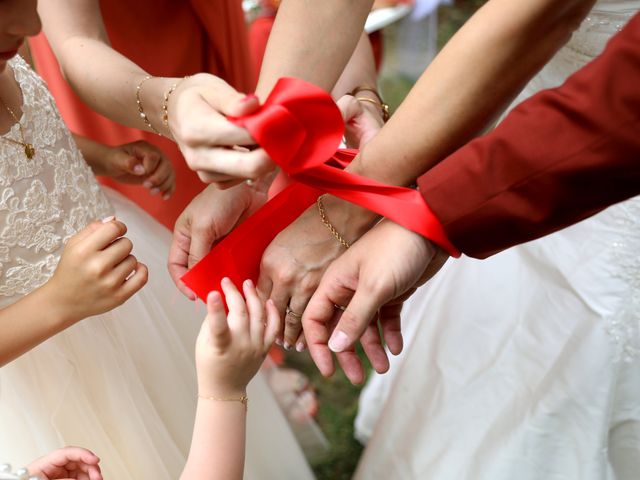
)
(60, 313)
(350, 220)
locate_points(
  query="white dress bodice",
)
(43, 201)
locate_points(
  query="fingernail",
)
(147, 184)
(166, 196)
(248, 283)
(139, 170)
(338, 341)
(108, 219)
(300, 347)
(287, 345)
(278, 342)
(249, 97)
(154, 191)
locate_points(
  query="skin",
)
(93, 274)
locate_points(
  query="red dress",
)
(166, 38)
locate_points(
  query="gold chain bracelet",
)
(143, 115)
(165, 103)
(329, 225)
(381, 103)
(243, 399)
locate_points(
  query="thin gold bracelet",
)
(243, 399)
(143, 115)
(384, 106)
(165, 102)
(329, 225)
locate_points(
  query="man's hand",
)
(208, 219)
(370, 281)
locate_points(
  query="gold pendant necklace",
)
(29, 149)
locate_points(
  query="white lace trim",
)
(45, 200)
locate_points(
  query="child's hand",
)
(66, 464)
(362, 120)
(141, 163)
(96, 272)
(230, 349)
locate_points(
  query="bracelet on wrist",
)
(143, 115)
(328, 224)
(165, 102)
(243, 399)
(384, 107)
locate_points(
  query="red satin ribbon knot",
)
(300, 127)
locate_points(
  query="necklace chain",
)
(29, 149)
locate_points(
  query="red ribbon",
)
(300, 127)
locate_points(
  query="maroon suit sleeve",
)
(559, 157)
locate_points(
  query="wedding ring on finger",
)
(292, 314)
(339, 307)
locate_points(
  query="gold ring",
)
(340, 307)
(297, 316)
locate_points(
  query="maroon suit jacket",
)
(559, 157)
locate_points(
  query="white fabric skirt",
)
(123, 384)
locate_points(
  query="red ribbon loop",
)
(300, 127)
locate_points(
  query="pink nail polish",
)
(338, 341)
(300, 347)
(249, 97)
(147, 184)
(108, 219)
(154, 191)
(139, 170)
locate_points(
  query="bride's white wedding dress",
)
(525, 365)
(122, 383)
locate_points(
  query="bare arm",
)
(469, 83)
(323, 35)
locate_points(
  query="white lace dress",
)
(525, 365)
(122, 383)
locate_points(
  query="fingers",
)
(117, 251)
(162, 180)
(293, 319)
(391, 328)
(220, 164)
(373, 348)
(349, 107)
(125, 268)
(257, 314)
(354, 320)
(351, 365)
(217, 321)
(201, 241)
(273, 325)
(280, 296)
(104, 234)
(136, 281)
(179, 256)
(316, 322)
(238, 314)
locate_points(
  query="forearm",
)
(360, 70)
(558, 158)
(25, 324)
(218, 442)
(103, 78)
(468, 84)
(312, 40)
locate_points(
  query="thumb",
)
(240, 105)
(354, 320)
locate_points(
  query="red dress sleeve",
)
(559, 157)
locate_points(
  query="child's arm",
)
(94, 275)
(229, 352)
(67, 463)
(137, 162)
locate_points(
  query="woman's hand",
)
(197, 120)
(363, 120)
(294, 262)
